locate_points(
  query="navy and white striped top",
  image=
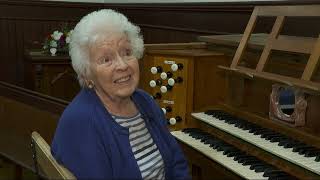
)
(145, 151)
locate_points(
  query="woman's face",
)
(115, 71)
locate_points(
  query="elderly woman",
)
(111, 129)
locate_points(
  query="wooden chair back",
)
(44, 159)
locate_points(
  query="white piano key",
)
(274, 148)
(219, 157)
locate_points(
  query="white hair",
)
(91, 27)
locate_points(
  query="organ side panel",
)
(169, 76)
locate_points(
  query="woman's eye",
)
(128, 52)
(105, 60)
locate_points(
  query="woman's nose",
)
(121, 63)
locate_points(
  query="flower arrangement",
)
(57, 42)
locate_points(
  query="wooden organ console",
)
(169, 76)
(232, 136)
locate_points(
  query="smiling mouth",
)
(123, 79)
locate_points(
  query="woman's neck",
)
(118, 106)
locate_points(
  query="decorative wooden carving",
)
(297, 118)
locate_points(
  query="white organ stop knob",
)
(163, 75)
(174, 67)
(164, 110)
(154, 70)
(172, 121)
(163, 89)
(171, 81)
(152, 83)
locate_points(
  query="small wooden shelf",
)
(290, 81)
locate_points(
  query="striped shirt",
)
(145, 151)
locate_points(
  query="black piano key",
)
(232, 153)
(257, 164)
(272, 172)
(277, 135)
(249, 162)
(210, 141)
(211, 112)
(287, 177)
(312, 153)
(291, 143)
(317, 158)
(303, 151)
(283, 142)
(278, 139)
(280, 176)
(260, 131)
(255, 128)
(220, 148)
(217, 145)
(268, 133)
(262, 168)
(297, 147)
(236, 158)
(229, 149)
(245, 158)
(247, 127)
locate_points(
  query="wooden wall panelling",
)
(209, 81)
(23, 111)
(23, 22)
(3, 47)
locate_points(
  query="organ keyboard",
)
(237, 161)
(271, 141)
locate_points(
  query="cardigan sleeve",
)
(76, 146)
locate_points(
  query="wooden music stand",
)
(274, 41)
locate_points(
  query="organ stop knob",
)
(172, 81)
(166, 109)
(154, 83)
(175, 67)
(173, 121)
(166, 88)
(166, 75)
(155, 70)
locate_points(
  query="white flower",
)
(56, 35)
(68, 40)
(53, 44)
(53, 51)
(70, 32)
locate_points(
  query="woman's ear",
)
(89, 83)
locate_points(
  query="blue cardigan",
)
(92, 145)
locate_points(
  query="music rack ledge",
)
(248, 73)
